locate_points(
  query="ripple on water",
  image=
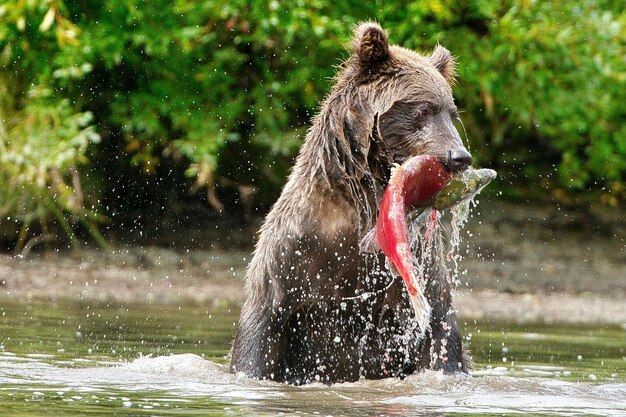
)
(188, 381)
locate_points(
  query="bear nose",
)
(458, 160)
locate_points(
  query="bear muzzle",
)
(458, 160)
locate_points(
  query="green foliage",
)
(39, 148)
(229, 88)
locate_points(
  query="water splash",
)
(460, 215)
(422, 230)
(189, 385)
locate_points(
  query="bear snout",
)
(458, 160)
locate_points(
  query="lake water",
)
(72, 359)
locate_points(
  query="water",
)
(62, 359)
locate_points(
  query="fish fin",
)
(369, 243)
(394, 168)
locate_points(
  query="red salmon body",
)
(414, 184)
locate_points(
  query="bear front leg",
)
(260, 343)
(443, 349)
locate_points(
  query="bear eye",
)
(425, 111)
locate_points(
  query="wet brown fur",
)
(301, 321)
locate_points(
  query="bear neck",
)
(341, 156)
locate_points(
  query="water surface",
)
(89, 359)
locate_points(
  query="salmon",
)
(420, 182)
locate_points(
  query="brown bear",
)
(317, 309)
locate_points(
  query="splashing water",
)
(422, 229)
(421, 232)
(460, 215)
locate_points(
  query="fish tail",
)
(422, 312)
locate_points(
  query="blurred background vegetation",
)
(113, 113)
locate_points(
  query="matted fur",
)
(316, 308)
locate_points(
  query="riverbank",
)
(520, 264)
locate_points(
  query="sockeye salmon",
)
(418, 183)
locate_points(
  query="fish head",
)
(463, 186)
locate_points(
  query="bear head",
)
(405, 97)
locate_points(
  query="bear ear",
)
(444, 62)
(370, 43)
